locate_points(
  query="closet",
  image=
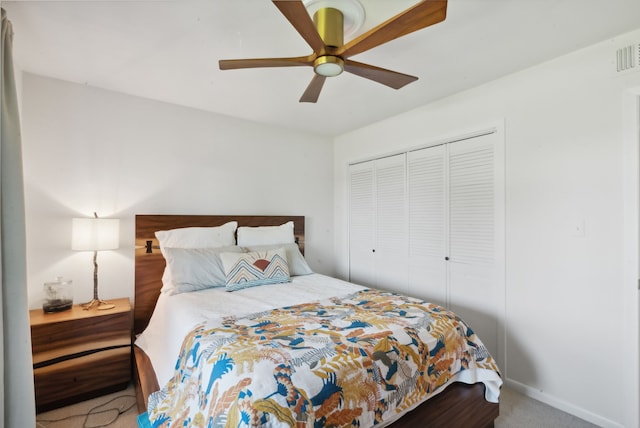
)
(430, 223)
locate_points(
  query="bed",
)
(461, 403)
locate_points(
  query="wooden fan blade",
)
(390, 78)
(312, 92)
(296, 13)
(232, 64)
(417, 17)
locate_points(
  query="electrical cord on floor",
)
(94, 411)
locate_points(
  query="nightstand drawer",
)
(81, 378)
(77, 335)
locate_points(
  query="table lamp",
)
(95, 234)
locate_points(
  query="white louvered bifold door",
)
(474, 205)
(362, 222)
(430, 224)
(426, 171)
(391, 224)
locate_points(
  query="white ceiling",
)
(169, 50)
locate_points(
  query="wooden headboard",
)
(149, 263)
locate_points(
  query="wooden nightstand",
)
(80, 354)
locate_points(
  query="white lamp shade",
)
(95, 234)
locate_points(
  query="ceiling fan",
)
(325, 35)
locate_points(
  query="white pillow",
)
(194, 269)
(297, 264)
(266, 235)
(194, 237)
(198, 237)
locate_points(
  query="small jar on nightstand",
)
(58, 295)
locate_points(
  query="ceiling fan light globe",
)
(328, 66)
(328, 70)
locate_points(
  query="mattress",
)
(176, 315)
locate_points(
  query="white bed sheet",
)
(176, 315)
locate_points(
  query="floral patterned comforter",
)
(359, 360)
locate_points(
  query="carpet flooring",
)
(519, 411)
(119, 410)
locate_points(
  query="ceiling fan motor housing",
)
(330, 25)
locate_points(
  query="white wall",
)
(87, 149)
(567, 340)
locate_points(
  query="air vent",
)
(628, 58)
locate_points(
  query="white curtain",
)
(18, 405)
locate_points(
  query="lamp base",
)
(101, 305)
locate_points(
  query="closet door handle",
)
(446, 258)
(373, 251)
